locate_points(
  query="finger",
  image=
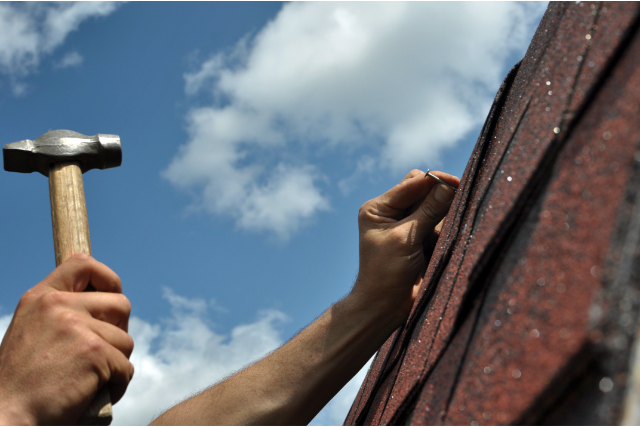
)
(410, 191)
(432, 210)
(413, 174)
(112, 335)
(77, 272)
(449, 179)
(106, 307)
(120, 373)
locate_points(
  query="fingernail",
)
(443, 194)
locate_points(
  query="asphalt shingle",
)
(529, 306)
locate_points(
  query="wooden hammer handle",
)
(71, 236)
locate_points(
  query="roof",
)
(528, 310)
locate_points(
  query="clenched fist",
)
(64, 344)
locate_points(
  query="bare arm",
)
(291, 385)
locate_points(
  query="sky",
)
(251, 134)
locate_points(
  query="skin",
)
(63, 345)
(291, 385)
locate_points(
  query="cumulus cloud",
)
(4, 323)
(28, 31)
(71, 59)
(391, 83)
(184, 354)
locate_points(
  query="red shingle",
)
(519, 317)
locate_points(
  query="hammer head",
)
(62, 146)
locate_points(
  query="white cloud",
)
(184, 354)
(401, 81)
(71, 59)
(29, 31)
(4, 323)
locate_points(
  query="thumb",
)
(432, 210)
(78, 271)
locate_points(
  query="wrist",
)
(377, 314)
(386, 304)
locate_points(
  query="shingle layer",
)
(529, 306)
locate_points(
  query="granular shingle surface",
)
(531, 298)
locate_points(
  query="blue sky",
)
(251, 134)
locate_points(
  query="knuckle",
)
(71, 321)
(85, 264)
(126, 305)
(69, 327)
(83, 260)
(54, 299)
(80, 257)
(129, 344)
(80, 268)
(116, 283)
(28, 298)
(413, 173)
(363, 210)
(92, 346)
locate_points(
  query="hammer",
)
(63, 156)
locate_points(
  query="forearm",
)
(291, 385)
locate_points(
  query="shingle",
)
(519, 316)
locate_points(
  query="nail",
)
(429, 174)
(443, 194)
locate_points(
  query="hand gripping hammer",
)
(63, 156)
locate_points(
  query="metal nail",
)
(439, 180)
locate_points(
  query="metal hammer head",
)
(61, 146)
